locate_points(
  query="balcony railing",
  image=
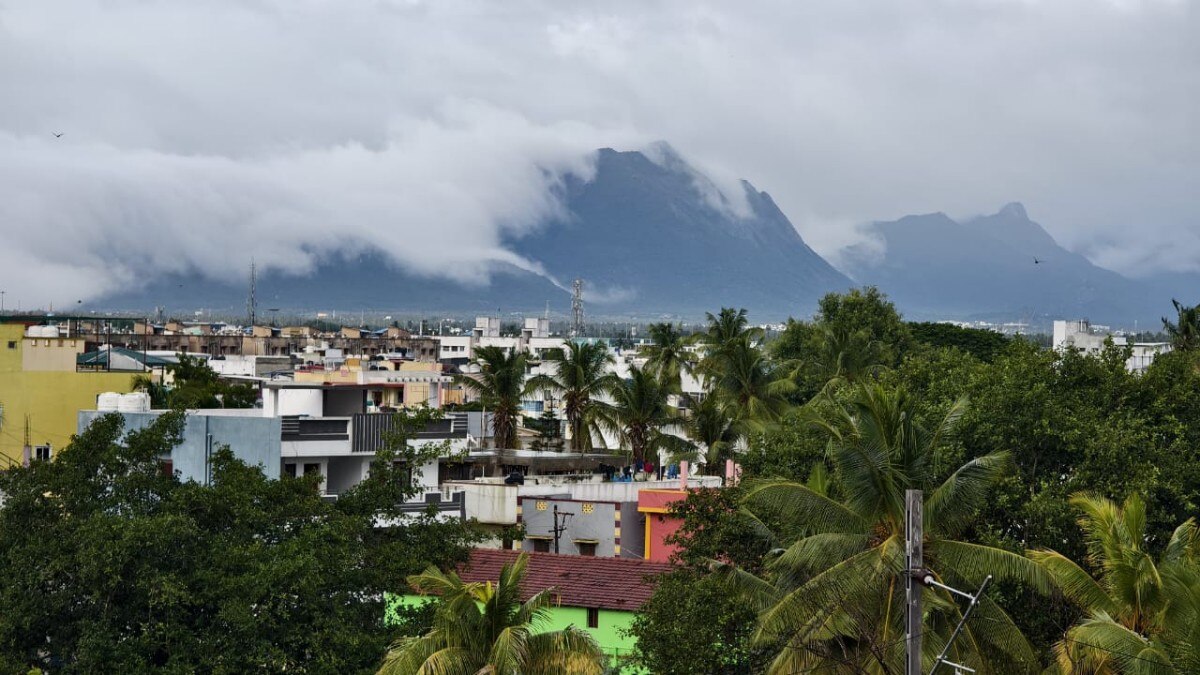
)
(371, 429)
(315, 428)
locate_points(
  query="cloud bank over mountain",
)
(198, 135)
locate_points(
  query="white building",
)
(1089, 339)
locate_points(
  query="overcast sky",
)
(203, 133)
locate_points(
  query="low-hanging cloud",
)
(197, 135)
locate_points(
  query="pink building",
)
(660, 524)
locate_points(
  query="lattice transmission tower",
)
(577, 308)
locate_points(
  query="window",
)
(310, 469)
(41, 453)
(593, 617)
(289, 470)
(167, 467)
(541, 545)
(587, 548)
(12, 344)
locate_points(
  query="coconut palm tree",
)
(726, 326)
(745, 384)
(1142, 614)
(833, 599)
(501, 385)
(1185, 330)
(581, 375)
(641, 418)
(669, 356)
(711, 428)
(485, 628)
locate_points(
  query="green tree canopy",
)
(195, 385)
(114, 566)
(1184, 331)
(834, 596)
(1142, 615)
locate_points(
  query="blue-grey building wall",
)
(254, 440)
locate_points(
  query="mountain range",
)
(650, 235)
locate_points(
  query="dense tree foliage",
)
(693, 624)
(193, 384)
(113, 566)
(978, 342)
(1069, 423)
(1142, 614)
(1184, 331)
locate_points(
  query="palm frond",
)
(955, 502)
(813, 512)
(973, 562)
(1076, 584)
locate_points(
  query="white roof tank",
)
(108, 401)
(138, 401)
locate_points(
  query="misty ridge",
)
(651, 234)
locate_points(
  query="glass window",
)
(593, 617)
(541, 545)
(587, 548)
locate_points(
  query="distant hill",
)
(658, 236)
(647, 236)
(651, 235)
(1001, 266)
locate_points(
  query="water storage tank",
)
(138, 401)
(108, 401)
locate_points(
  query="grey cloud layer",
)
(198, 134)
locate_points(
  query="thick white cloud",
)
(200, 134)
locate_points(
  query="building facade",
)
(41, 388)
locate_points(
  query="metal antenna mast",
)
(577, 308)
(914, 554)
(917, 578)
(252, 301)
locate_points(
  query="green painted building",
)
(598, 594)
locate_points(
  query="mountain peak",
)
(1014, 209)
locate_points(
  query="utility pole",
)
(559, 529)
(914, 532)
(27, 453)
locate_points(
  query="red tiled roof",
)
(581, 581)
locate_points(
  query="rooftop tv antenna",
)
(252, 300)
(577, 308)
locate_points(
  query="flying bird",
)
(59, 134)
(1037, 262)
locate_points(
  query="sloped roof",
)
(581, 581)
(101, 357)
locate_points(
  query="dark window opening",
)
(310, 469)
(12, 344)
(587, 548)
(167, 467)
(593, 617)
(541, 545)
(41, 453)
(289, 470)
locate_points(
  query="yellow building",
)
(39, 383)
